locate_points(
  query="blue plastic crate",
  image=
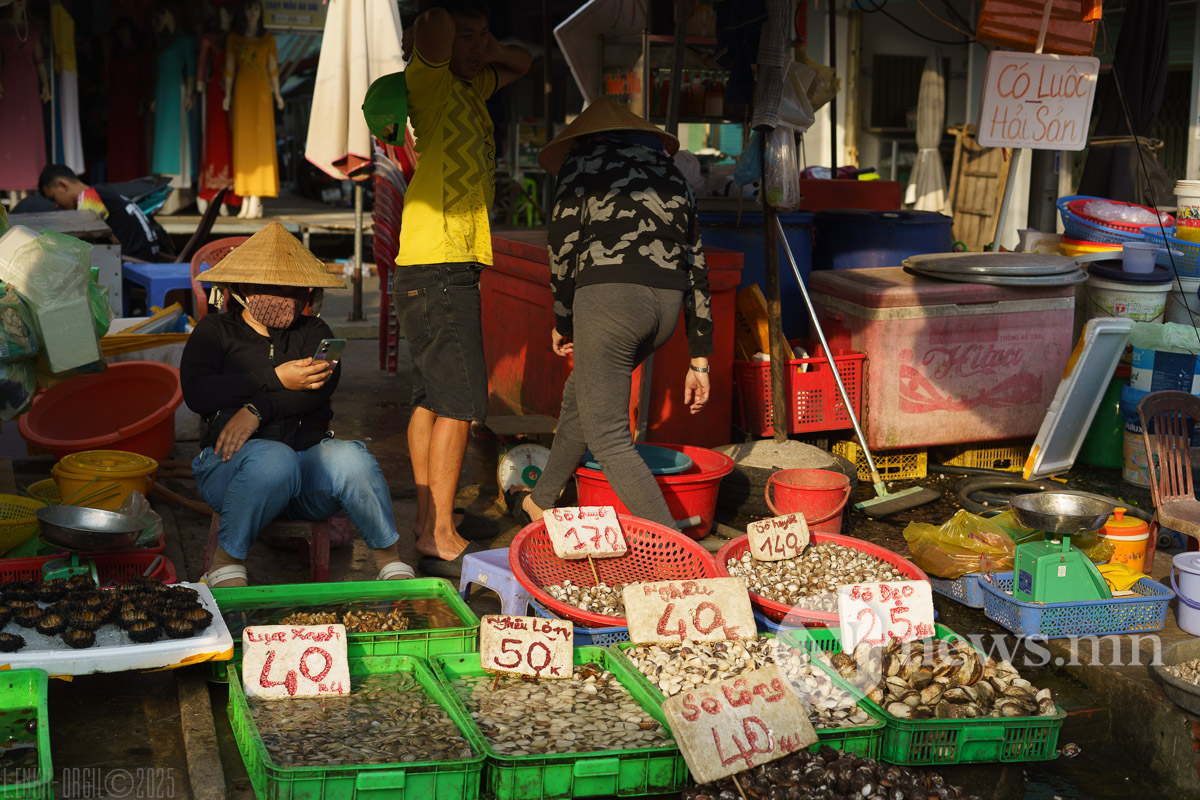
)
(964, 589)
(585, 637)
(1076, 227)
(1142, 613)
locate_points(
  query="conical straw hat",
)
(272, 257)
(602, 115)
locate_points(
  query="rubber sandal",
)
(394, 571)
(228, 572)
(451, 570)
(476, 527)
(514, 500)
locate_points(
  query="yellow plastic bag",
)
(965, 543)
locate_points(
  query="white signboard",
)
(741, 722)
(876, 613)
(526, 646)
(708, 610)
(1042, 102)
(282, 661)
(778, 538)
(582, 531)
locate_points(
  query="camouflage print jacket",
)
(624, 213)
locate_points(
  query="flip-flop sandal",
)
(514, 500)
(222, 574)
(476, 527)
(450, 570)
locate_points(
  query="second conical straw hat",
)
(272, 257)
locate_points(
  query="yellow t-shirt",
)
(446, 205)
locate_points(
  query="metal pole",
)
(1043, 190)
(1002, 217)
(780, 352)
(833, 121)
(547, 183)
(356, 312)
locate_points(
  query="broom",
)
(886, 503)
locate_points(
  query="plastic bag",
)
(824, 85)
(1109, 211)
(783, 170)
(965, 543)
(17, 340)
(18, 380)
(795, 110)
(749, 163)
(50, 268)
(102, 311)
(136, 505)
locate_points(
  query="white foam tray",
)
(114, 651)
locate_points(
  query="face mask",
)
(276, 310)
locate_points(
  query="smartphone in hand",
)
(330, 350)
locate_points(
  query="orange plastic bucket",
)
(819, 494)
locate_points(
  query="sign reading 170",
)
(1043, 102)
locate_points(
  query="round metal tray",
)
(1008, 264)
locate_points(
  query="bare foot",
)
(419, 526)
(447, 547)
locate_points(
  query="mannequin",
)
(68, 146)
(128, 66)
(173, 94)
(216, 168)
(251, 79)
(24, 86)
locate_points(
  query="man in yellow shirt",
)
(445, 242)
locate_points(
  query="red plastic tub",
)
(689, 494)
(111, 569)
(131, 406)
(782, 612)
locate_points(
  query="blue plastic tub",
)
(964, 589)
(745, 235)
(585, 637)
(660, 460)
(1144, 612)
(858, 239)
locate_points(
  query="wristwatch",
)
(694, 368)
(249, 407)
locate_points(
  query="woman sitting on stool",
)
(267, 451)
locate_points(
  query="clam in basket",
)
(656, 553)
(797, 615)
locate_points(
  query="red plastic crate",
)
(814, 402)
(112, 568)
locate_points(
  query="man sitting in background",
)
(140, 237)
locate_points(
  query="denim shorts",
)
(438, 308)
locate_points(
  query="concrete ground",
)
(166, 734)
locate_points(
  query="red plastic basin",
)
(131, 406)
(688, 494)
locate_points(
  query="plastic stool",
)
(157, 280)
(490, 569)
(314, 534)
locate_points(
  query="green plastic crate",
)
(417, 780)
(651, 770)
(865, 740)
(982, 740)
(424, 643)
(27, 689)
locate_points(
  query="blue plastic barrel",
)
(858, 239)
(745, 235)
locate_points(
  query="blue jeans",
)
(266, 480)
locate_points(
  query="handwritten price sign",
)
(778, 538)
(526, 646)
(709, 610)
(726, 727)
(876, 613)
(583, 531)
(281, 661)
(1043, 102)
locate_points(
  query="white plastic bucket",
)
(1140, 302)
(1183, 297)
(1187, 589)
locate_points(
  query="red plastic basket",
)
(1076, 208)
(109, 568)
(656, 553)
(691, 493)
(814, 403)
(782, 612)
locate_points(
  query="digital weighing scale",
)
(1052, 571)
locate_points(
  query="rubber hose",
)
(967, 489)
(947, 469)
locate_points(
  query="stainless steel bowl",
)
(88, 528)
(1060, 512)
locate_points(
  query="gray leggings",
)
(617, 327)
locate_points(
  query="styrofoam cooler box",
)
(948, 362)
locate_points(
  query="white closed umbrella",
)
(361, 42)
(927, 184)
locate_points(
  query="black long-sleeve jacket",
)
(227, 364)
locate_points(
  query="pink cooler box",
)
(948, 363)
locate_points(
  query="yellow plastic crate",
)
(898, 465)
(1008, 456)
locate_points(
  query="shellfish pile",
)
(940, 679)
(599, 599)
(829, 774)
(810, 580)
(1187, 671)
(356, 621)
(680, 668)
(587, 712)
(386, 718)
